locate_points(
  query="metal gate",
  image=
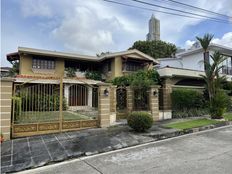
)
(141, 99)
(42, 108)
(121, 102)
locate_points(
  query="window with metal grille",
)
(132, 66)
(39, 63)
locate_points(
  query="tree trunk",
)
(206, 59)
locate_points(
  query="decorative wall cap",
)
(7, 79)
(38, 77)
(104, 84)
(155, 86)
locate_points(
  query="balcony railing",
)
(227, 70)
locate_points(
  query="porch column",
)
(104, 105)
(66, 92)
(90, 96)
(154, 102)
(129, 93)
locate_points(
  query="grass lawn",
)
(228, 116)
(33, 117)
(191, 123)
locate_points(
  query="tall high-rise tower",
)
(154, 29)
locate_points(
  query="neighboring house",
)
(186, 70)
(190, 64)
(193, 60)
(43, 66)
(4, 71)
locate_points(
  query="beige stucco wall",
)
(26, 67)
(118, 67)
(6, 95)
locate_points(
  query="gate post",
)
(113, 98)
(154, 102)
(129, 99)
(6, 94)
(104, 105)
(61, 104)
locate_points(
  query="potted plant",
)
(1, 138)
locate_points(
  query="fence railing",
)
(52, 107)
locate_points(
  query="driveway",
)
(203, 152)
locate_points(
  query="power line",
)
(170, 13)
(202, 9)
(167, 8)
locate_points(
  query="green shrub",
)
(139, 79)
(183, 99)
(227, 86)
(121, 81)
(71, 72)
(219, 105)
(95, 75)
(140, 121)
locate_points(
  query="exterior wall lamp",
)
(155, 93)
(106, 92)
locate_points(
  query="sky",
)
(94, 26)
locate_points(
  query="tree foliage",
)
(140, 79)
(156, 49)
(95, 75)
(15, 68)
(205, 40)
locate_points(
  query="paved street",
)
(205, 152)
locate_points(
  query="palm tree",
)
(212, 78)
(205, 42)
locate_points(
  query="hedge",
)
(188, 103)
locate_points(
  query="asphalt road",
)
(204, 153)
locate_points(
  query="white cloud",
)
(84, 31)
(39, 8)
(189, 43)
(92, 28)
(226, 40)
(95, 26)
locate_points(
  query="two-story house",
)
(42, 66)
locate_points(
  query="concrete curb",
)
(189, 131)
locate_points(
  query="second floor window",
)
(132, 66)
(38, 63)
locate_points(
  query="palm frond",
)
(205, 41)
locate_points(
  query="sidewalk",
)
(31, 152)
